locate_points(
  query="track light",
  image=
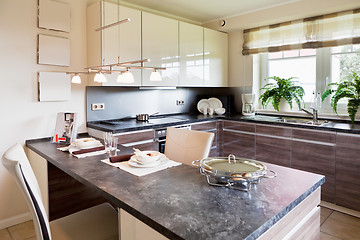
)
(76, 78)
(155, 76)
(128, 77)
(99, 77)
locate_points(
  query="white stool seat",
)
(186, 146)
(95, 223)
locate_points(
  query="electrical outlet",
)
(97, 106)
(180, 102)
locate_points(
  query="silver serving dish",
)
(232, 172)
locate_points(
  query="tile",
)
(22, 231)
(324, 214)
(324, 236)
(4, 234)
(342, 226)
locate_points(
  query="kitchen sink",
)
(291, 120)
(305, 121)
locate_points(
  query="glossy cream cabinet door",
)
(191, 46)
(115, 44)
(215, 58)
(110, 36)
(160, 44)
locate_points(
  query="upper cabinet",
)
(192, 55)
(116, 44)
(160, 44)
(191, 51)
(215, 58)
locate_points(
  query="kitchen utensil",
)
(203, 103)
(211, 111)
(219, 111)
(232, 172)
(144, 117)
(215, 103)
(204, 110)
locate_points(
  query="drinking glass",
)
(108, 140)
(113, 146)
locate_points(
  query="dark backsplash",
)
(121, 102)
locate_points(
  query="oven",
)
(160, 136)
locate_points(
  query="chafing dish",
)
(232, 172)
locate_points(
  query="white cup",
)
(205, 110)
(211, 111)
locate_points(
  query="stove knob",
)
(159, 133)
(163, 132)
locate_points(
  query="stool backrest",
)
(183, 145)
(17, 163)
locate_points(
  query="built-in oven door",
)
(162, 142)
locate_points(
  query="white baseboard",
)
(5, 223)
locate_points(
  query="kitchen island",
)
(179, 204)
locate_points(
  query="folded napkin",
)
(141, 171)
(121, 158)
(84, 152)
(88, 150)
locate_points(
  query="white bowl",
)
(142, 157)
(220, 111)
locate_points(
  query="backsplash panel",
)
(121, 102)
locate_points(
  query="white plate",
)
(84, 143)
(134, 163)
(215, 103)
(203, 103)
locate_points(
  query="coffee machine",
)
(248, 104)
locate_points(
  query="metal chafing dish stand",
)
(232, 172)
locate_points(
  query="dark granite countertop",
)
(126, 125)
(180, 204)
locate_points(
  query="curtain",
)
(321, 31)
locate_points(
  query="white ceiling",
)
(203, 11)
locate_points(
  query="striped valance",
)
(321, 31)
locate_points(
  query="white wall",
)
(240, 67)
(22, 116)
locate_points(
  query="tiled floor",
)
(334, 226)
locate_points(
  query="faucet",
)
(314, 114)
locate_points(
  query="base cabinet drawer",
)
(347, 171)
(316, 158)
(239, 144)
(273, 150)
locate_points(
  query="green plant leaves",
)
(282, 88)
(349, 89)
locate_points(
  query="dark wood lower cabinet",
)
(273, 150)
(67, 195)
(239, 144)
(348, 171)
(316, 158)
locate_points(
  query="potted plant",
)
(349, 89)
(283, 88)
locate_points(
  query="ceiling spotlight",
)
(155, 76)
(76, 79)
(99, 77)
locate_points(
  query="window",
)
(313, 68)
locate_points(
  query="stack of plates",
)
(213, 103)
(84, 143)
(149, 161)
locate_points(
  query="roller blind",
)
(328, 30)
